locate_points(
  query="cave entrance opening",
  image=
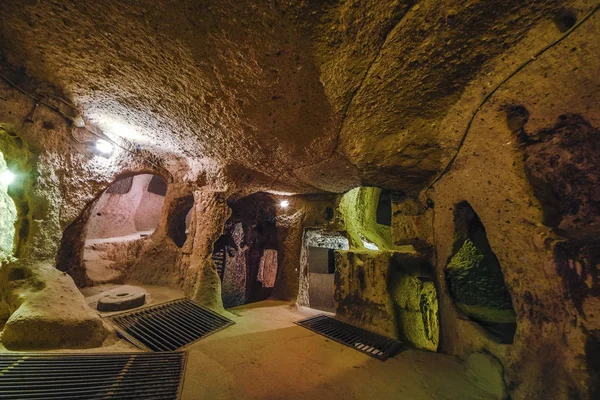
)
(319, 253)
(128, 210)
(475, 278)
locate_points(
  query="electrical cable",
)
(440, 175)
(70, 119)
(490, 94)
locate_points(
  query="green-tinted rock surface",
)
(477, 284)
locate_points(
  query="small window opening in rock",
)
(516, 117)
(16, 274)
(157, 186)
(475, 279)
(121, 186)
(328, 213)
(565, 20)
(125, 212)
(384, 208)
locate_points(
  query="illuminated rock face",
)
(390, 293)
(317, 96)
(323, 105)
(8, 216)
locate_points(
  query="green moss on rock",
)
(416, 304)
(477, 284)
(358, 209)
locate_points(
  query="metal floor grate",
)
(359, 339)
(168, 326)
(91, 376)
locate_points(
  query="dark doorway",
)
(384, 208)
(249, 245)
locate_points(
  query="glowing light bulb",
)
(284, 203)
(104, 147)
(7, 177)
(79, 122)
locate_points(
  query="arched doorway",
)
(128, 210)
(246, 254)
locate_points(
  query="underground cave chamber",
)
(289, 199)
(246, 255)
(127, 211)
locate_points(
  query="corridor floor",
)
(265, 356)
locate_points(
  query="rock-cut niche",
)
(475, 279)
(127, 211)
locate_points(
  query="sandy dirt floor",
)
(265, 356)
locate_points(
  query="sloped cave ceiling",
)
(297, 96)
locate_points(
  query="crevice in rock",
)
(176, 221)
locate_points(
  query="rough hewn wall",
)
(32, 289)
(320, 96)
(59, 180)
(553, 355)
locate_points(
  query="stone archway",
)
(95, 247)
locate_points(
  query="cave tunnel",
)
(301, 199)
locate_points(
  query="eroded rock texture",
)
(309, 93)
(325, 105)
(388, 293)
(563, 166)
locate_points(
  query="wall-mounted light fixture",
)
(104, 148)
(78, 121)
(284, 204)
(7, 177)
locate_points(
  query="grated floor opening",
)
(366, 342)
(91, 376)
(168, 326)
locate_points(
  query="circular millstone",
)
(121, 301)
